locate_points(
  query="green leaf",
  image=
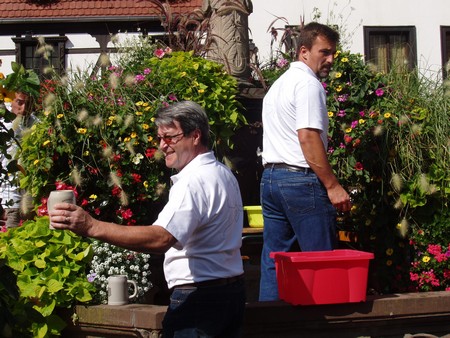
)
(54, 286)
(40, 263)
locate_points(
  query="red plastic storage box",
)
(322, 277)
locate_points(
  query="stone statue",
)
(230, 45)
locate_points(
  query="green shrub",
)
(96, 134)
(50, 267)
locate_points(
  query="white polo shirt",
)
(295, 101)
(205, 214)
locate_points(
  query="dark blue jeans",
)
(205, 312)
(295, 207)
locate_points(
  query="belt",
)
(288, 167)
(211, 282)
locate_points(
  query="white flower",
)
(109, 260)
(137, 158)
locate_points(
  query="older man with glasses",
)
(199, 230)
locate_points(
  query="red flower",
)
(150, 152)
(348, 139)
(42, 210)
(136, 178)
(116, 191)
(93, 170)
(63, 186)
(126, 214)
(359, 166)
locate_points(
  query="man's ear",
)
(303, 53)
(197, 135)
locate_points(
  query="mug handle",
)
(135, 289)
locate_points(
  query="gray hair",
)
(190, 115)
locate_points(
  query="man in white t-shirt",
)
(199, 230)
(299, 192)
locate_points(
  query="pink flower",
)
(159, 53)
(379, 92)
(434, 249)
(147, 71)
(282, 62)
(139, 78)
(342, 98)
(359, 166)
(440, 258)
(413, 276)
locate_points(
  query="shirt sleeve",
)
(181, 216)
(310, 106)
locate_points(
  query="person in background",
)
(14, 207)
(199, 230)
(299, 192)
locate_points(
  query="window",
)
(390, 48)
(445, 43)
(32, 56)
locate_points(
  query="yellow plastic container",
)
(254, 215)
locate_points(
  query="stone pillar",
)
(230, 38)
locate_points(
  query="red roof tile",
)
(32, 9)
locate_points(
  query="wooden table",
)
(252, 231)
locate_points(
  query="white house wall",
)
(74, 61)
(426, 16)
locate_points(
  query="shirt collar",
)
(303, 66)
(199, 160)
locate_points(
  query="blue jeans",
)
(204, 312)
(295, 207)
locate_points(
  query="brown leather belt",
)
(210, 283)
(288, 167)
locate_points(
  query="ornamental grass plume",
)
(403, 227)
(397, 182)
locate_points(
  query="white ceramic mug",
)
(60, 196)
(118, 290)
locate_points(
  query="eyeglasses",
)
(168, 139)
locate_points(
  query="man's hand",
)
(68, 216)
(315, 155)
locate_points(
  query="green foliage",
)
(22, 79)
(96, 134)
(50, 267)
(205, 82)
(389, 147)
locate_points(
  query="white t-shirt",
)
(205, 214)
(297, 100)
